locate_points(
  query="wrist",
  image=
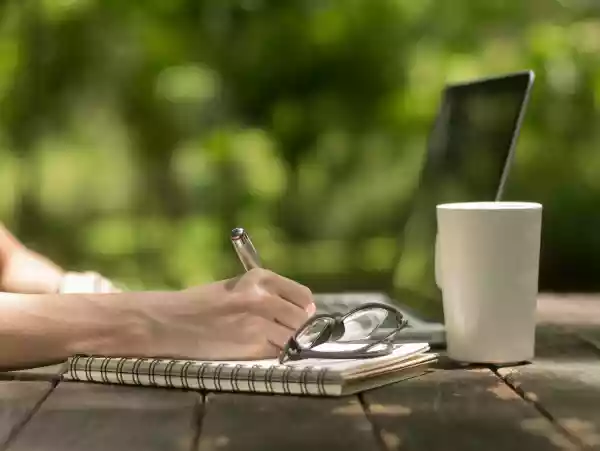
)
(103, 324)
(126, 325)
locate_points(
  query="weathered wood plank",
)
(275, 423)
(589, 334)
(563, 381)
(579, 314)
(18, 401)
(459, 410)
(569, 309)
(81, 416)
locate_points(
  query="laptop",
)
(469, 154)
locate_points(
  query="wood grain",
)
(275, 423)
(81, 416)
(18, 400)
(569, 309)
(576, 313)
(459, 410)
(564, 382)
(589, 334)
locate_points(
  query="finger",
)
(276, 309)
(286, 313)
(290, 290)
(278, 335)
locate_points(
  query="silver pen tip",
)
(237, 233)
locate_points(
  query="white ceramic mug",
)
(487, 265)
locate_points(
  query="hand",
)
(249, 317)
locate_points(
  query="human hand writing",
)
(249, 317)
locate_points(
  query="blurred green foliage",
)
(135, 135)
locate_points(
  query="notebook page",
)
(400, 352)
(393, 366)
(348, 367)
(344, 366)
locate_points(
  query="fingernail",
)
(311, 309)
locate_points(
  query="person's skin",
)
(248, 317)
(23, 270)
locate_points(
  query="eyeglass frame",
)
(293, 351)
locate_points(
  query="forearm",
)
(38, 330)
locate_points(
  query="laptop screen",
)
(468, 158)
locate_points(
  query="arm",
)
(249, 317)
(24, 271)
(42, 329)
(39, 326)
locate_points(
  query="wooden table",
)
(553, 403)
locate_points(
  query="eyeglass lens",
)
(356, 326)
(311, 333)
(362, 324)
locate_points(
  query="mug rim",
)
(490, 206)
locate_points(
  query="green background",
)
(135, 135)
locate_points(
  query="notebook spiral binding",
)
(204, 376)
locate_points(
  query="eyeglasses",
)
(357, 325)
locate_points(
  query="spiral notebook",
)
(310, 377)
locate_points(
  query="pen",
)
(245, 249)
(248, 256)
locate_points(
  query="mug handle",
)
(438, 262)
